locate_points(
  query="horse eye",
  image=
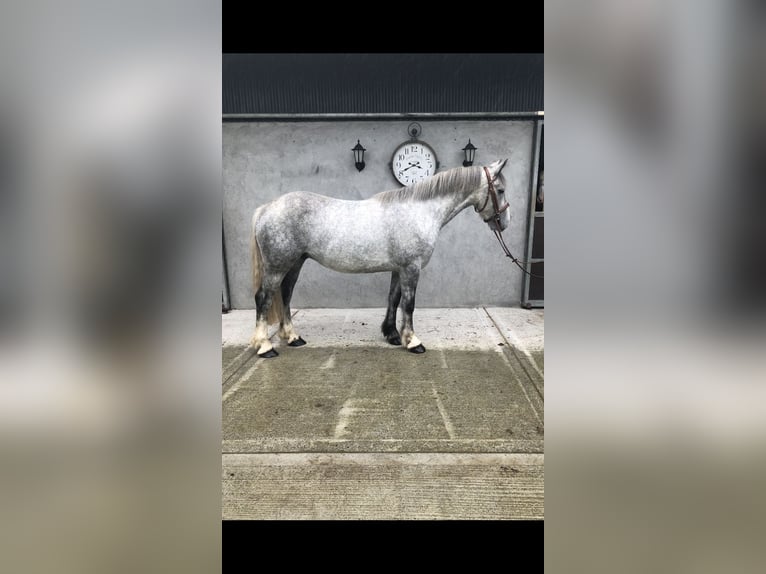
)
(500, 191)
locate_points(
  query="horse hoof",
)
(396, 340)
(269, 354)
(299, 342)
(417, 350)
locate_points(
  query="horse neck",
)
(452, 204)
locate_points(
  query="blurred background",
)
(110, 147)
(110, 151)
(656, 406)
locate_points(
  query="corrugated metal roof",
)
(381, 83)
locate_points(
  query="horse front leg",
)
(408, 279)
(389, 323)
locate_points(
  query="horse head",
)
(491, 203)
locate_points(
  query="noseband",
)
(492, 193)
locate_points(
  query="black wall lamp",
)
(469, 151)
(358, 155)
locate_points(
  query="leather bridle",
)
(492, 193)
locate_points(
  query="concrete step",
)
(383, 486)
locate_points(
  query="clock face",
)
(413, 161)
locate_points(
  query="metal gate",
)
(225, 302)
(533, 286)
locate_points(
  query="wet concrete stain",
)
(382, 399)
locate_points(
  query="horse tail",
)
(255, 252)
(277, 307)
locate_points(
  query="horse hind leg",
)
(389, 323)
(286, 330)
(267, 297)
(264, 301)
(265, 305)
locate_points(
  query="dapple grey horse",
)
(393, 231)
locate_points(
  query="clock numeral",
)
(401, 157)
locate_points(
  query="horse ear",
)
(497, 166)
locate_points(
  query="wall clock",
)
(413, 160)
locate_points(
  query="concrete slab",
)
(320, 431)
(380, 399)
(383, 486)
(466, 329)
(524, 328)
(524, 334)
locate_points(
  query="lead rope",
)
(496, 217)
(508, 253)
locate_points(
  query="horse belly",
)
(363, 259)
(351, 244)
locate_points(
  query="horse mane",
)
(457, 180)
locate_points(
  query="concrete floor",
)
(351, 427)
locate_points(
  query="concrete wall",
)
(262, 160)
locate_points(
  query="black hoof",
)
(395, 340)
(417, 350)
(299, 342)
(269, 354)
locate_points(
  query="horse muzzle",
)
(498, 223)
